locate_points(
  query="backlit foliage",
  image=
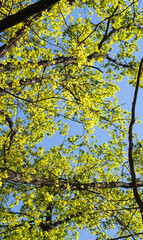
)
(59, 72)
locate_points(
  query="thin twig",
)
(123, 237)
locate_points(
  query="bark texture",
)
(34, 10)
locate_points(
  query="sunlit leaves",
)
(64, 70)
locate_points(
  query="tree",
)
(60, 67)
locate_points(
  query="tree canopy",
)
(60, 67)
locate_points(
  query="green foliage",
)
(58, 72)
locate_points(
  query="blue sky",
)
(125, 96)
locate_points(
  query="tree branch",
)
(11, 134)
(22, 82)
(44, 63)
(6, 47)
(9, 120)
(130, 150)
(98, 24)
(16, 177)
(32, 11)
(64, 60)
(107, 36)
(117, 62)
(123, 237)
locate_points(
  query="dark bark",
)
(65, 60)
(22, 83)
(6, 47)
(16, 177)
(130, 150)
(12, 42)
(34, 10)
(9, 120)
(113, 31)
(10, 135)
(127, 236)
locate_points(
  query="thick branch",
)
(11, 134)
(34, 10)
(44, 63)
(16, 177)
(64, 60)
(130, 150)
(22, 82)
(9, 120)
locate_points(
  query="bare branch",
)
(107, 36)
(98, 24)
(130, 150)
(106, 19)
(123, 237)
(124, 226)
(117, 62)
